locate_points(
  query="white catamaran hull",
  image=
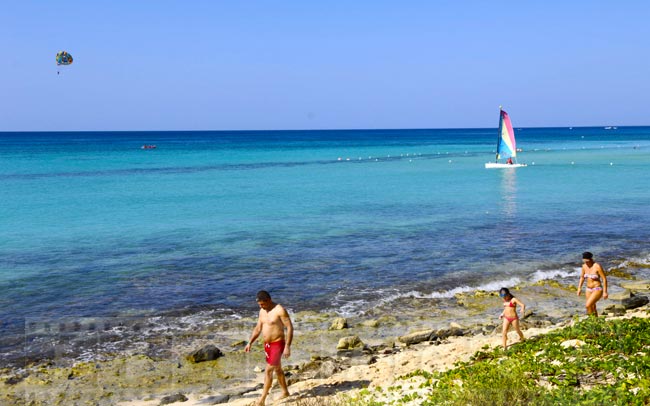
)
(494, 165)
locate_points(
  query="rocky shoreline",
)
(330, 355)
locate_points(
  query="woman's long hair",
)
(505, 293)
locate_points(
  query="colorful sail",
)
(506, 147)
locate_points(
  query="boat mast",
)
(496, 157)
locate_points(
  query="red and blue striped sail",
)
(506, 147)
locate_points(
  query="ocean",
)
(94, 226)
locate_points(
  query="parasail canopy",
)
(63, 58)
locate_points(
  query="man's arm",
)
(286, 321)
(256, 333)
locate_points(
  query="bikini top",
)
(593, 276)
(510, 304)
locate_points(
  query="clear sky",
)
(242, 65)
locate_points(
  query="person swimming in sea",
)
(596, 282)
(509, 314)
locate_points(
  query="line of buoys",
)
(391, 157)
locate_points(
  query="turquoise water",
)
(92, 225)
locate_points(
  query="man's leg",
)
(282, 381)
(268, 380)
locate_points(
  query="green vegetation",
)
(609, 365)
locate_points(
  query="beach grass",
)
(594, 361)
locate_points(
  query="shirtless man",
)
(593, 272)
(272, 321)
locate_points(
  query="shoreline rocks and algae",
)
(331, 357)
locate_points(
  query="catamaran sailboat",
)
(506, 146)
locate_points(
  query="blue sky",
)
(242, 65)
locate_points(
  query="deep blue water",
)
(91, 225)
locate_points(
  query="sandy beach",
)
(387, 369)
(457, 328)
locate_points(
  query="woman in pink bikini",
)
(509, 314)
(596, 282)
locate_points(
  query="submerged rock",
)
(240, 343)
(13, 380)
(370, 323)
(207, 353)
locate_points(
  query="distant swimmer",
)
(509, 314)
(596, 282)
(273, 320)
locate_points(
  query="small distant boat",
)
(611, 128)
(506, 145)
(148, 146)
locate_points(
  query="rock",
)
(15, 379)
(362, 360)
(532, 319)
(634, 302)
(378, 349)
(483, 293)
(207, 353)
(537, 323)
(453, 324)
(339, 323)
(572, 343)
(370, 323)
(620, 295)
(243, 391)
(321, 369)
(257, 369)
(215, 400)
(614, 310)
(240, 343)
(179, 397)
(636, 285)
(348, 343)
(417, 337)
(449, 332)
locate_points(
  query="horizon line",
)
(324, 129)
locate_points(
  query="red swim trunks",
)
(274, 352)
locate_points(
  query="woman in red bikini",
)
(594, 274)
(509, 314)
